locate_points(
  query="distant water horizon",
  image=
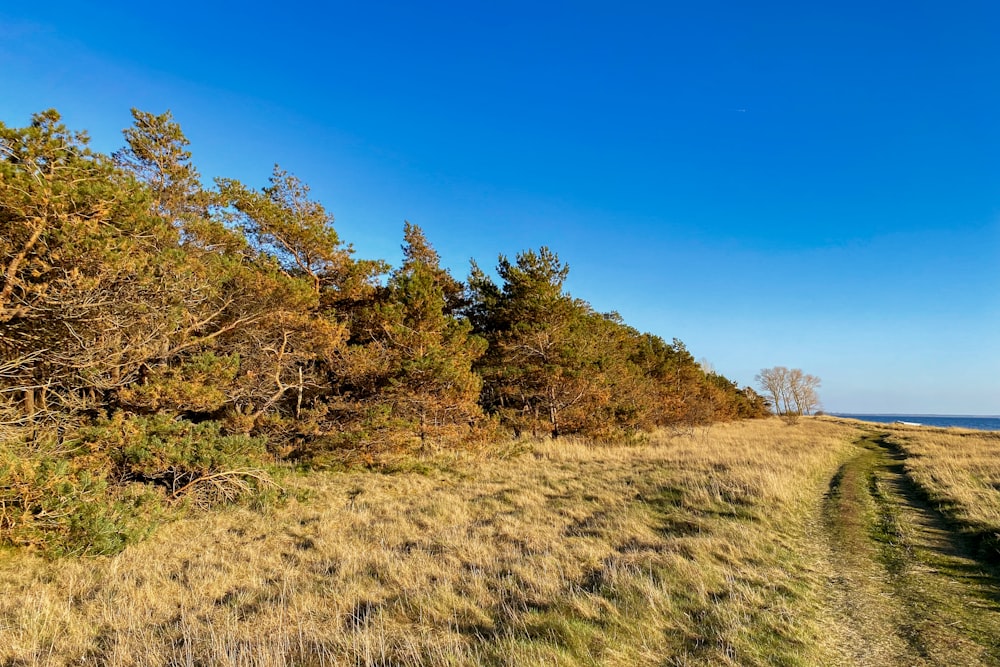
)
(978, 422)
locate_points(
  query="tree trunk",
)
(553, 412)
(29, 401)
(298, 402)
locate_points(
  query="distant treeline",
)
(137, 305)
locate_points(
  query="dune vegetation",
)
(957, 470)
(225, 440)
(745, 543)
(164, 342)
(695, 549)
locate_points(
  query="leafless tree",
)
(802, 388)
(792, 392)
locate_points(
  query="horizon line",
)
(909, 414)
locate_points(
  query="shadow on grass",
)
(964, 552)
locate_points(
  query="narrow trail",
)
(904, 587)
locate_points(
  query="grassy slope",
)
(909, 590)
(958, 470)
(695, 550)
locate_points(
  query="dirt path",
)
(904, 588)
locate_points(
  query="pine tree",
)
(538, 370)
(79, 248)
(156, 154)
(416, 364)
(283, 222)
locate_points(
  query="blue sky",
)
(814, 185)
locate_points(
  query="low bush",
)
(59, 506)
(104, 486)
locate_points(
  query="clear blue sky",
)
(813, 185)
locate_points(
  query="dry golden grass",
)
(688, 550)
(959, 470)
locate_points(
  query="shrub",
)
(106, 485)
(198, 385)
(184, 458)
(54, 504)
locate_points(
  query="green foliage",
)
(179, 455)
(284, 223)
(71, 235)
(157, 155)
(197, 384)
(555, 366)
(406, 377)
(535, 366)
(130, 289)
(63, 506)
(109, 483)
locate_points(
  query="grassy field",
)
(707, 549)
(959, 471)
(912, 586)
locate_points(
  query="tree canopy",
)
(133, 294)
(792, 392)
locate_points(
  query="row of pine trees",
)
(131, 291)
(163, 342)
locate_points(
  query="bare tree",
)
(792, 392)
(802, 389)
(772, 382)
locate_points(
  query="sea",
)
(944, 421)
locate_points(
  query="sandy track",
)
(904, 589)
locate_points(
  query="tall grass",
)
(684, 550)
(959, 471)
